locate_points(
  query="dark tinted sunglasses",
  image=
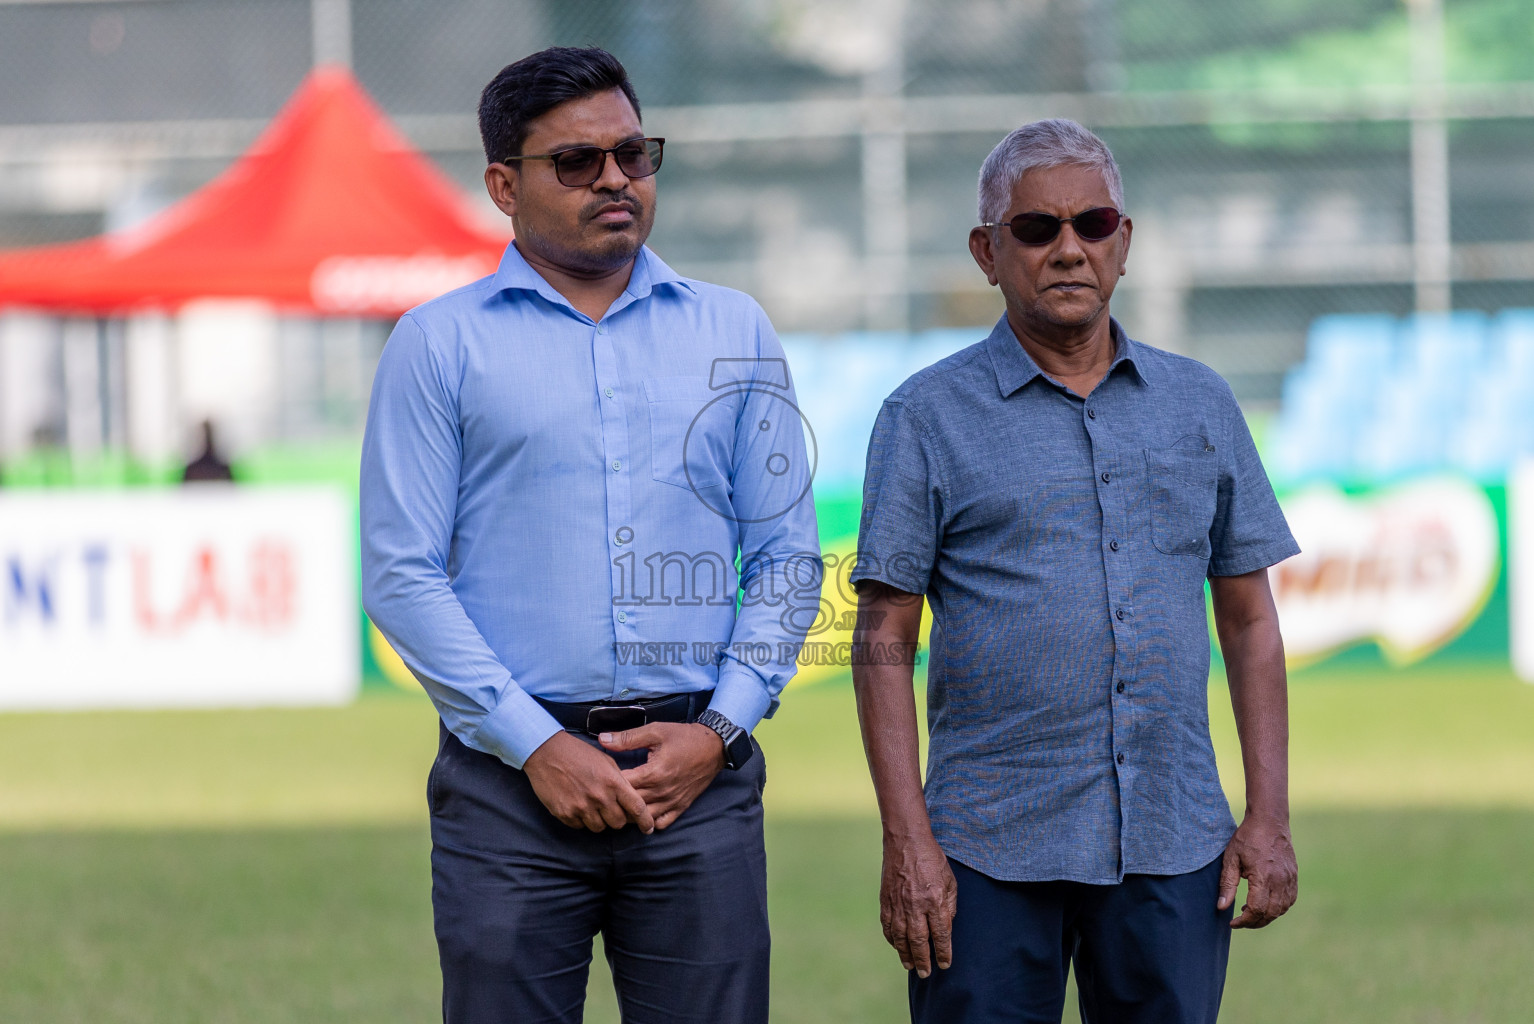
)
(582, 165)
(1038, 228)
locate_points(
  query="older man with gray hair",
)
(1059, 493)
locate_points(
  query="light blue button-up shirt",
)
(578, 510)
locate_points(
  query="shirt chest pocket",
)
(1182, 485)
(692, 432)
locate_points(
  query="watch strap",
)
(737, 742)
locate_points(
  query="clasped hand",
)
(583, 786)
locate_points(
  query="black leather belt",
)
(596, 717)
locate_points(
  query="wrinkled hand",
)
(684, 758)
(1261, 852)
(582, 786)
(918, 898)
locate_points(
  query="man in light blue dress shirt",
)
(587, 529)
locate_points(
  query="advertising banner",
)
(1407, 567)
(1520, 568)
(202, 597)
(1388, 575)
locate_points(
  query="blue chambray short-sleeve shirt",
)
(1062, 544)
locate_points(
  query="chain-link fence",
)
(1283, 159)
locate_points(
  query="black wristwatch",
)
(737, 741)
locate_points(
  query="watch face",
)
(739, 751)
(737, 742)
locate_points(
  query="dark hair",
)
(537, 84)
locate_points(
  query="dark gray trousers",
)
(518, 898)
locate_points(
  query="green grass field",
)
(271, 866)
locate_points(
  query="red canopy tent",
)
(330, 212)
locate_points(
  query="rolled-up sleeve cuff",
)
(517, 727)
(741, 696)
(1250, 561)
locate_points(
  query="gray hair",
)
(1056, 142)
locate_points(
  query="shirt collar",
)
(655, 271)
(650, 272)
(1129, 352)
(1014, 367)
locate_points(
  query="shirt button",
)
(623, 692)
(1105, 478)
(623, 616)
(617, 465)
(1113, 545)
(1120, 686)
(1119, 615)
(608, 392)
(1091, 414)
(623, 535)
(601, 328)
(1121, 759)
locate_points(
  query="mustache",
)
(622, 197)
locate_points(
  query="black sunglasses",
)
(1038, 228)
(582, 165)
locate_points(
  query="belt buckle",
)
(615, 718)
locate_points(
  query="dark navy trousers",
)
(518, 898)
(1150, 950)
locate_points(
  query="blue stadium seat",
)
(843, 379)
(1510, 345)
(1328, 401)
(1351, 345)
(1444, 350)
(1378, 398)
